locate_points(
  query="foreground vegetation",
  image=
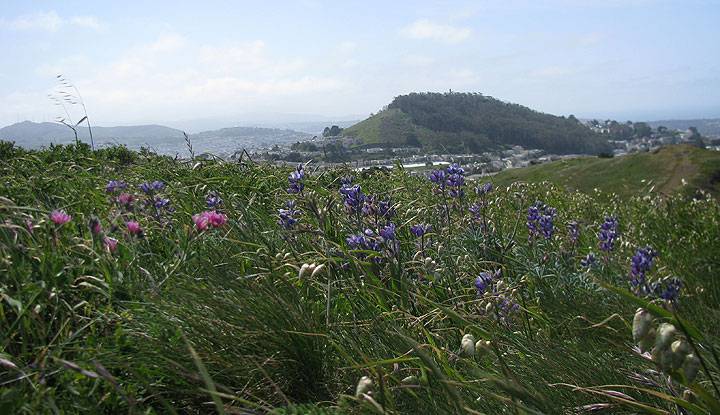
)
(665, 171)
(137, 283)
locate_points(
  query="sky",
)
(165, 61)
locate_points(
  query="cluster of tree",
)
(628, 130)
(333, 131)
(474, 121)
(637, 130)
(304, 146)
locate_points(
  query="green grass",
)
(658, 172)
(181, 321)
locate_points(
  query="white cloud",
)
(173, 77)
(49, 22)
(170, 42)
(426, 29)
(90, 22)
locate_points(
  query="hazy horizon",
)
(139, 63)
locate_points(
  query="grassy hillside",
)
(134, 283)
(464, 122)
(661, 171)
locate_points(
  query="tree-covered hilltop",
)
(472, 122)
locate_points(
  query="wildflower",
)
(59, 217)
(29, 224)
(354, 198)
(667, 289)
(573, 231)
(455, 179)
(608, 233)
(161, 203)
(133, 227)
(588, 261)
(438, 177)
(388, 232)
(296, 180)
(209, 218)
(420, 229)
(367, 241)
(484, 280)
(110, 243)
(150, 188)
(115, 185)
(125, 199)
(213, 200)
(484, 189)
(641, 263)
(672, 289)
(540, 220)
(95, 226)
(356, 241)
(377, 208)
(287, 216)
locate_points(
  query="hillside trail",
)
(682, 168)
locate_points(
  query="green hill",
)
(470, 122)
(661, 171)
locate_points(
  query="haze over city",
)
(165, 62)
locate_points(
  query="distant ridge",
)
(472, 122)
(160, 138)
(705, 126)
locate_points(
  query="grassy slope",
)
(390, 126)
(270, 337)
(659, 171)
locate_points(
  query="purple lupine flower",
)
(295, 180)
(377, 208)
(438, 177)
(356, 241)
(354, 199)
(420, 229)
(506, 307)
(608, 233)
(455, 169)
(476, 210)
(483, 280)
(115, 185)
(388, 232)
(213, 200)
(386, 209)
(573, 231)
(540, 220)
(641, 263)
(287, 216)
(546, 222)
(151, 187)
(484, 189)
(456, 180)
(161, 203)
(346, 180)
(671, 290)
(588, 261)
